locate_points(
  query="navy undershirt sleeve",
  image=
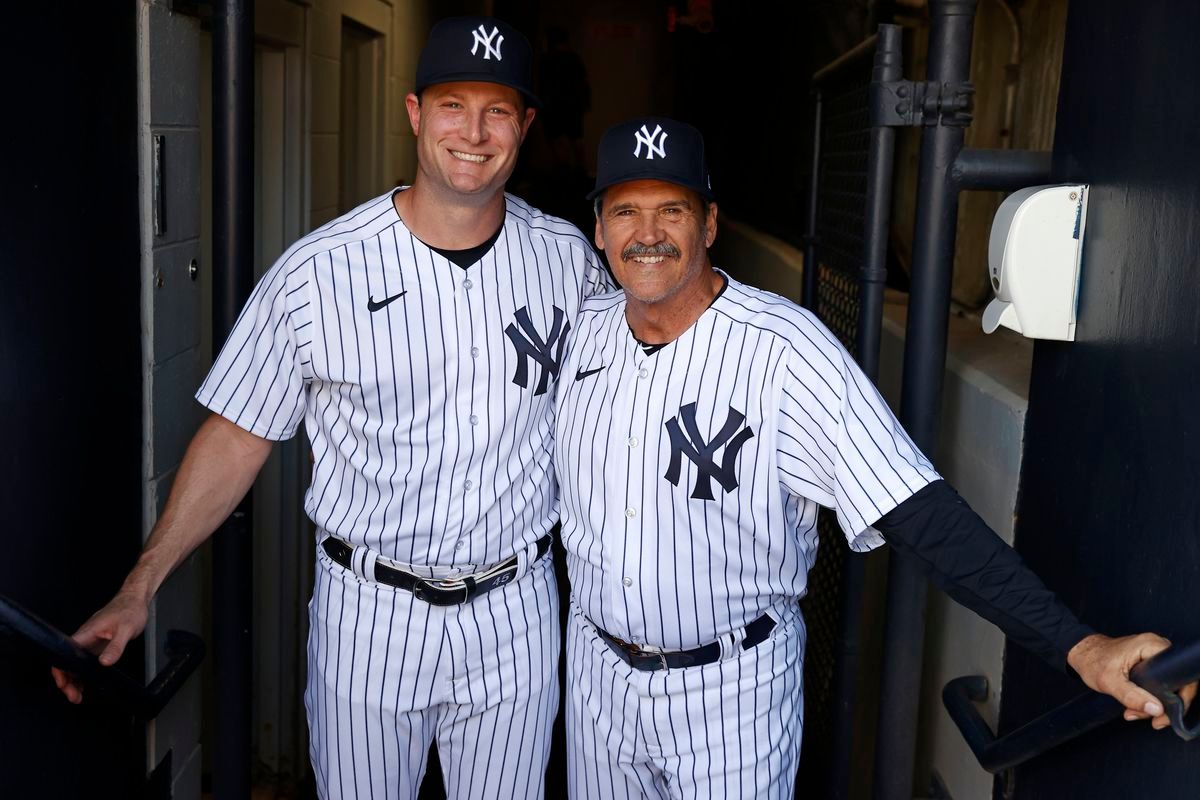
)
(938, 531)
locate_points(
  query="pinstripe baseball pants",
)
(387, 674)
(722, 730)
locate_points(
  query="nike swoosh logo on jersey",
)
(373, 306)
(581, 374)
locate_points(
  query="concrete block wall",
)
(169, 107)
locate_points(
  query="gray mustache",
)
(660, 249)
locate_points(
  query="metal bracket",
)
(907, 104)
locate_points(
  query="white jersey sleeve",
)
(841, 446)
(257, 382)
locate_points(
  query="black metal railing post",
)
(880, 158)
(233, 280)
(888, 66)
(809, 295)
(951, 23)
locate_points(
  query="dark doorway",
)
(1109, 511)
(70, 376)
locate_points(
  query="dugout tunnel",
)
(1082, 453)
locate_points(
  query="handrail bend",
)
(1161, 675)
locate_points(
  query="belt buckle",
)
(422, 588)
(638, 652)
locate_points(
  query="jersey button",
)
(467, 284)
(459, 544)
(643, 372)
(467, 485)
(627, 581)
(631, 513)
(474, 352)
(632, 441)
(474, 420)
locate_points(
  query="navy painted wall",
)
(70, 366)
(1110, 495)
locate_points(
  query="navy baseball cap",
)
(477, 49)
(652, 148)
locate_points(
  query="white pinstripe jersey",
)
(426, 390)
(691, 477)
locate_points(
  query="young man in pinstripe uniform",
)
(419, 338)
(704, 423)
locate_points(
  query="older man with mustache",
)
(706, 423)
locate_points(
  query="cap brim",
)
(648, 175)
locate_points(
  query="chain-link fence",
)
(838, 249)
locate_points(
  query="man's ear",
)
(710, 226)
(530, 113)
(599, 234)
(413, 105)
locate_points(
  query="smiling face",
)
(468, 135)
(656, 236)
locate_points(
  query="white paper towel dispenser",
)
(1034, 256)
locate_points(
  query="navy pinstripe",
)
(428, 453)
(655, 560)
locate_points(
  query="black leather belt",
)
(648, 660)
(449, 592)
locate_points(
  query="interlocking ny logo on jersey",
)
(491, 42)
(645, 137)
(701, 453)
(548, 352)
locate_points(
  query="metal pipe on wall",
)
(999, 170)
(951, 23)
(809, 291)
(233, 280)
(888, 66)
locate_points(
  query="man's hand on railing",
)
(106, 633)
(1104, 664)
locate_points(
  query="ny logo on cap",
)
(482, 37)
(546, 353)
(688, 441)
(645, 137)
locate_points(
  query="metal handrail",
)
(184, 650)
(1161, 675)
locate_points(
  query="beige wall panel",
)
(402, 159)
(397, 111)
(375, 14)
(1044, 26)
(411, 21)
(325, 26)
(320, 216)
(279, 21)
(326, 89)
(324, 170)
